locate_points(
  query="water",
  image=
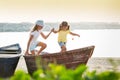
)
(106, 41)
(25, 27)
(105, 38)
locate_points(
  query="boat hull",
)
(71, 59)
(8, 66)
(9, 57)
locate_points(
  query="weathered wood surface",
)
(71, 59)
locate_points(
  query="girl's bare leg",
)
(63, 49)
(43, 46)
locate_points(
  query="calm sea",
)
(25, 27)
(104, 36)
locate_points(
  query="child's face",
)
(65, 27)
(39, 27)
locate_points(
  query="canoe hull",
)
(71, 59)
(9, 57)
(8, 66)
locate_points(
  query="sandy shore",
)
(94, 63)
(104, 63)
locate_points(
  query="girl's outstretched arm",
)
(54, 31)
(46, 36)
(74, 34)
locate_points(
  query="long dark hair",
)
(64, 23)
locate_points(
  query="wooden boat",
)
(9, 57)
(71, 59)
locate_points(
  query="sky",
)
(59, 10)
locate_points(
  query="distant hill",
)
(24, 26)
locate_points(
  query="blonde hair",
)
(64, 23)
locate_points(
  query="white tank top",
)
(35, 36)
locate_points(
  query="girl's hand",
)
(52, 30)
(78, 35)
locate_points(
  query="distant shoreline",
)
(26, 26)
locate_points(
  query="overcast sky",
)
(59, 10)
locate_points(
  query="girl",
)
(64, 29)
(32, 42)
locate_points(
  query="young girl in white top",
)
(32, 42)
